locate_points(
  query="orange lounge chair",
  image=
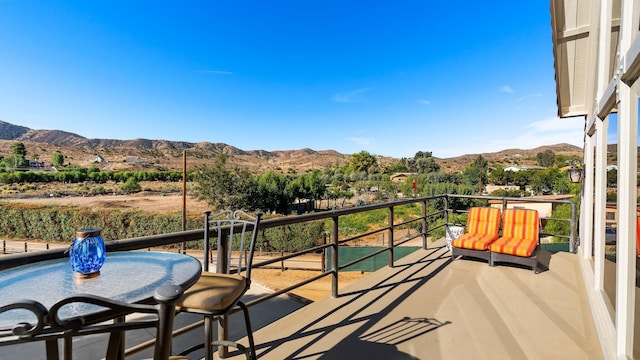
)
(520, 239)
(482, 229)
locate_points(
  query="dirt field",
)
(146, 200)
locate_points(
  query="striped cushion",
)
(482, 229)
(520, 229)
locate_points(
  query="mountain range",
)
(168, 155)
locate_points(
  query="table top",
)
(130, 276)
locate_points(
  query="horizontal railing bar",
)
(356, 237)
(292, 255)
(510, 199)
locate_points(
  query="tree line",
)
(225, 187)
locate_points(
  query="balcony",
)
(423, 306)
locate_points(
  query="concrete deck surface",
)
(429, 307)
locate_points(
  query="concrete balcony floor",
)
(426, 307)
(429, 307)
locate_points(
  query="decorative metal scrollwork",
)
(25, 329)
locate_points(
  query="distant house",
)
(491, 188)
(36, 164)
(515, 168)
(399, 177)
(99, 160)
(136, 160)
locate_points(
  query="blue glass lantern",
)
(87, 253)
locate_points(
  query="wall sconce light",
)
(575, 173)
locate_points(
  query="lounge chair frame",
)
(480, 254)
(531, 261)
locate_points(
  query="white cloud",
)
(544, 132)
(361, 141)
(353, 96)
(507, 89)
(424, 102)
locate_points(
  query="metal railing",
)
(439, 202)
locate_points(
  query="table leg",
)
(166, 296)
(52, 349)
(115, 348)
(67, 342)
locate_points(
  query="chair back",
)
(521, 224)
(235, 232)
(483, 221)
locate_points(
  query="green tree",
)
(498, 176)
(131, 185)
(397, 167)
(612, 178)
(558, 227)
(426, 165)
(561, 185)
(19, 149)
(272, 193)
(225, 189)
(57, 159)
(546, 158)
(422, 162)
(363, 162)
(476, 173)
(19, 155)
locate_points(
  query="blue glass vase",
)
(87, 253)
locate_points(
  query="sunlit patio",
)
(429, 307)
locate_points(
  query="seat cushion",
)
(482, 229)
(474, 241)
(514, 246)
(214, 292)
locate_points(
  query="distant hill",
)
(164, 154)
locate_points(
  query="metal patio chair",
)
(217, 295)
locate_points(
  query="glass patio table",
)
(131, 277)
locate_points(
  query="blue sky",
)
(391, 78)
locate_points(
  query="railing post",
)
(390, 220)
(334, 257)
(446, 210)
(424, 225)
(323, 266)
(446, 214)
(25, 247)
(206, 240)
(281, 261)
(572, 240)
(4, 246)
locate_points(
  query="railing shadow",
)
(407, 274)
